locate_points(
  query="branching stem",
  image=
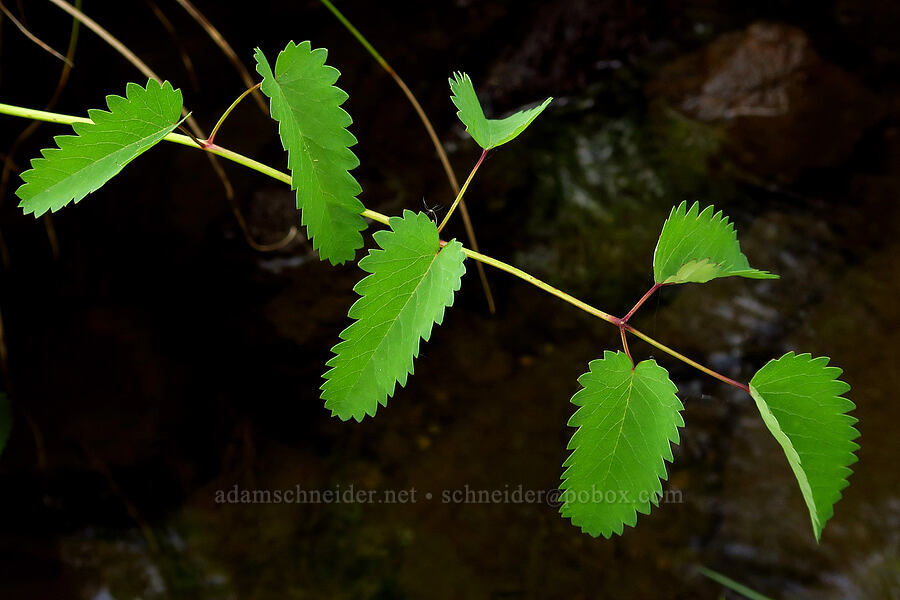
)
(18, 111)
(435, 141)
(625, 344)
(212, 136)
(640, 302)
(462, 191)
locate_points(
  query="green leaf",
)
(86, 161)
(626, 421)
(699, 246)
(313, 130)
(412, 281)
(799, 398)
(5, 420)
(488, 133)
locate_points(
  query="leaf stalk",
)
(435, 141)
(212, 136)
(462, 191)
(27, 113)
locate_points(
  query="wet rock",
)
(782, 107)
(567, 45)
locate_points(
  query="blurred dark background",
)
(158, 358)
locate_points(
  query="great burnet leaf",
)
(5, 420)
(627, 419)
(412, 281)
(697, 246)
(488, 133)
(799, 398)
(313, 129)
(84, 162)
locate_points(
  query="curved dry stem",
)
(173, 33)
(226, 49)
(432, 135)
(25, 31)
(191, 122)
(8, 163)
(384, 219)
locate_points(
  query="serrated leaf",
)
(627, 419)
(488, 133)
(799, 398)
(697, 246)
(84, 162)
(412, 281)
(5, 420)
(313, 130)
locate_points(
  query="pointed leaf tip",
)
(313, 129)
(627, 420)
(698, 246)
(488, 133)
(800, 400)
(410, 283)
(99, 150)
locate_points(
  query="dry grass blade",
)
(31, 36)
(173, 33)
(192, 123)
(8, 164)
(227, 50)
(432, 135)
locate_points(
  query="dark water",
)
(161, 362)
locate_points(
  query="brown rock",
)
(783, 107)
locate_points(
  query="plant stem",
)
(184, 140)
(625, 345)
(462, 191)
(497, 264)
(212, 136)
(643, 299)
(435, 141)
(226, 48)
(686, 360)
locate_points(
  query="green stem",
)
(686, 360)
(542, 285)
(435, 141)
(359, 37)
(625, 345)
(462, 191)
(640, 302)
(212, 136)
(184, 140)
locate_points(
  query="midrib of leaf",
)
(788, 447)
(693, 248)
(103, 161)
(304, 141)
(395, 320)
(609, 458)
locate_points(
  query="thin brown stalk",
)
(226, 49)
(189, 120)
(176, 39)
(439, 148)
(25, 31)
(9, 165)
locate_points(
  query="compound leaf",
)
(799, 398)
(627, 419)
(100, 149)
(412, 280)
(488, 133)
(313, 130)
(697, 246)
(5, 420)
